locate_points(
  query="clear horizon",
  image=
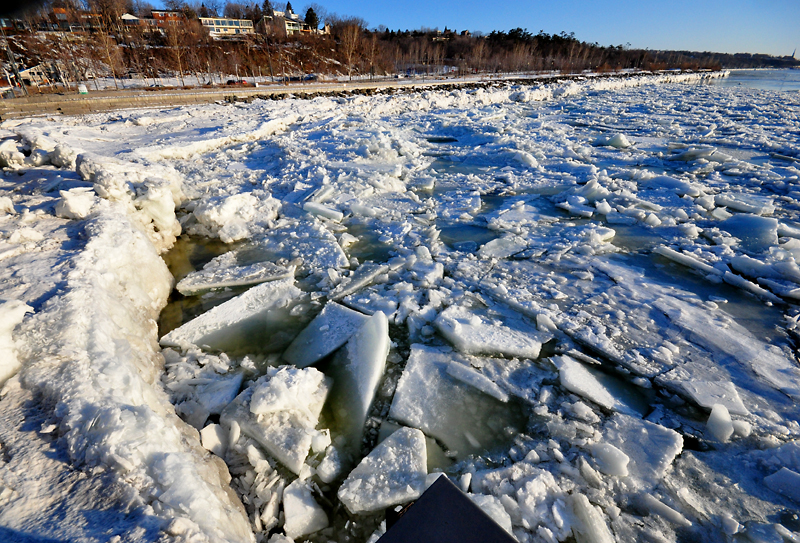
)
(733, 26)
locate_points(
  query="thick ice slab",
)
(757, 233)
(327, 332)
(465, 418)
(307, 240)
(590, 527)
(302, 512)
(393, 473)
(11, 314)
(365, 275)
(223, 272)
(786, 482)
(290, 389)
(733, 340)
(231, 322)
(650, 447)
(610, 460)
(513, 216)
(746, 203)
(579, 379)
(281, 415)
(709, 393)
(503, 247)
(356, 371)
(473, 333)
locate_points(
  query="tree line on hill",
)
(78, 41)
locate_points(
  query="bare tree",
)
(175, 35)
(234, 10)
(478, 54)
(373, 49)
(109, 10)
(109, 50)
(350, 36)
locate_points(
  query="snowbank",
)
(91, 352)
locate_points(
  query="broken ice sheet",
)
(731, 341)
(603, 389)
(280, 412)
(393, 473)
(260, 320)
(650, 448)
(357, 369)
(464, 418)
(307, 240)
(708, 393)
(223, 271)
(200, 384)
(475, 331)
(327, 332)
(302, 512)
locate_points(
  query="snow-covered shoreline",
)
(86, 262)
(138, 98)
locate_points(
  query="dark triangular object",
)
(444, 514)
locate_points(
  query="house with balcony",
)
(163, 19)
(219, 27)
(287, 23)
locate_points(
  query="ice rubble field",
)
(578, 301)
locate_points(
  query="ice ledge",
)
(92, 352)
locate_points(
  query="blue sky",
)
(727, 26)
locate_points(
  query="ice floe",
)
(393, 473)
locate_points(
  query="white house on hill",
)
(223, 26)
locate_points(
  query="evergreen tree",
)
(289, 7)
(311, 19)
(266, 7)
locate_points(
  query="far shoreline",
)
(146, 98)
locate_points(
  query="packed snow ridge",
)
(274, 321)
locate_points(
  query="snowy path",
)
(578, 300)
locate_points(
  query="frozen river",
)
(578, 301)
(774, 80)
